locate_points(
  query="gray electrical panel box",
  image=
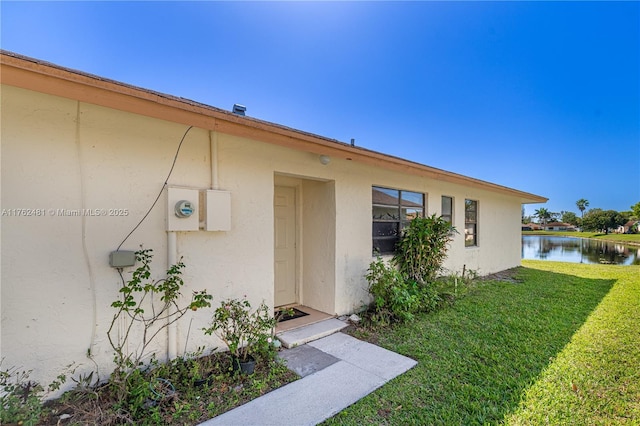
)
(122, 259)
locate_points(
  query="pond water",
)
(578, 250)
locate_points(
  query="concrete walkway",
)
(336, 370)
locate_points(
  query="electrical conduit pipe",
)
(172, 328)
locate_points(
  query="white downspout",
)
(172, 329)
(213, 151)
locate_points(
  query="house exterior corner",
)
(80, 173)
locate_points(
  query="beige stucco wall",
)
(318, 245)
(57, 286)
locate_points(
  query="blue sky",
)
(543, 96)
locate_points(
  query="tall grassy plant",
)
(422, 248)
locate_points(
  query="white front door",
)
(284, 206)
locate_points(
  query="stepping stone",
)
(304, 360)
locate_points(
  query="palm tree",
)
(582, 205)
(542, 214)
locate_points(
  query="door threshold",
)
(312, 317)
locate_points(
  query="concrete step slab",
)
(318, 330)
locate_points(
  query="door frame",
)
(315, 240)
(295, 184)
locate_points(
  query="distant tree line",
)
(593, 220)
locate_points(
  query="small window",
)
(392, 210)
(470, 223)
(447, 209)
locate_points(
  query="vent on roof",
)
(239, 109)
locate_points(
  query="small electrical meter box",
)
(218, 211)
(182, 209)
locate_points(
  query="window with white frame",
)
(447, 209)
(392, 210)
(470, 223)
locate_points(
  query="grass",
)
(559, 345)
(633, 239)
(596, 378)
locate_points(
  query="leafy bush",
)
(429, 296)
(390, 295)
(245, 332)
(406, 285)
(21, 397)
(138, 293)
(394, 297)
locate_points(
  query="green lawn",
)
(561, 346)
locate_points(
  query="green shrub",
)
(406, 285)
(136, 294)
(394, 298)
(429, 296)
(20, 398)
(246, 332)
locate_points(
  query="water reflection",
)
(578, 250)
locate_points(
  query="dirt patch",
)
(508, 275)
(200, 388)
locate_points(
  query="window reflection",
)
(392, 210)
